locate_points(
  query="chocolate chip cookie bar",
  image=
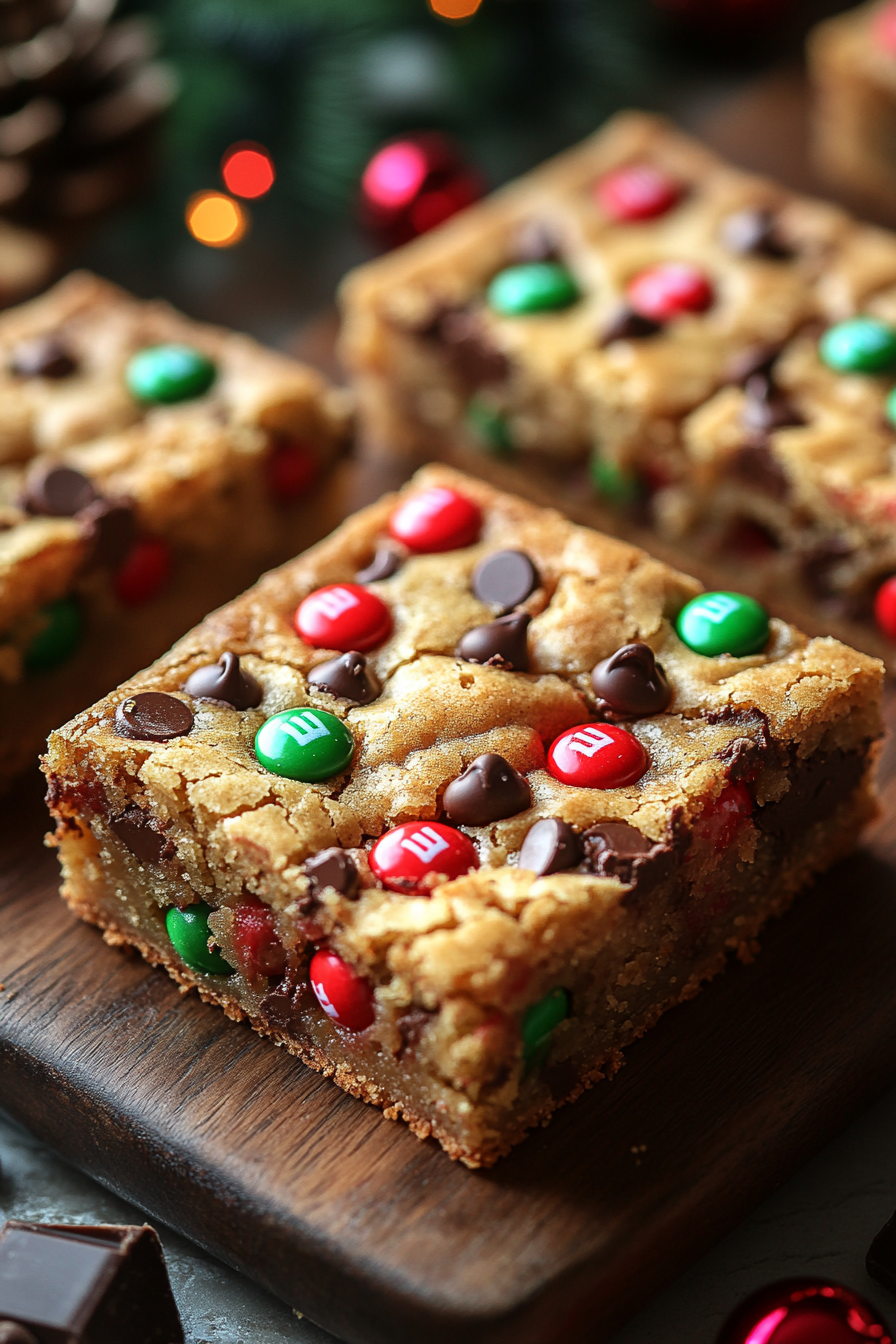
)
(455, 805)
(150, 468)
(666, 346)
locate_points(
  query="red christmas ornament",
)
(637, 191)
(146, 570)
(259, 950)
(345, 996)
(884, 28)
(885, 608)
(291, 470)
(405, 856)
(669, 290)
(343, 616)
(415, 183)
(436, 519)
(805, 1311)
(597, 756)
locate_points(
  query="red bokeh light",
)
(248, 170)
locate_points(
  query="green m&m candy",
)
(169, 373)
(304, 744)
(536, 287)
(891, 407)
(716, 623)
(612, 482)
(541, 1019)
(489, 426)
(859, 345)
(189, 933)
(59, 636)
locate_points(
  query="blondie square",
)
(150, 467)
(455, 805)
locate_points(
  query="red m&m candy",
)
(884, 27)
(259, 950)
(405, 856)
(669, 290)
(597, 756)
(345, 996)
(436, 519)
(343, 616)
(291, 470)
(885, 607)
(146, 570)
(637, 191)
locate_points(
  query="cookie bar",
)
(629, 372)
(458, 803)
(150, 468)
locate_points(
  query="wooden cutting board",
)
(381, 1238)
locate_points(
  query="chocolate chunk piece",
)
(284, 1007)
(86, 1285)
(58, 492)
(615, 849)
(505, 578)
(384, 564)
(754, 232)
(143, 835)
(412, 1025)
(488, 790)
(766, 409)
(332, 868)
(42, 357)
(818, 786)
(348, 677)
(111, 528)
(551, 846)
(225, 680)
(632, 682)
(474, 357)
(153, 716)
(754, 359)
(627, 325)
(756, 465)
(500, 643)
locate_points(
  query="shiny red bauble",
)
(885, 608)
(258, 948)
(345, 996)
(436, 519)
(415, 183)
(291, 470)
(805, 1311)
(670, 290)
(145, 572)
(597, 756)
(343, 616)
(884, 28)
(637, 191)
(403, 858)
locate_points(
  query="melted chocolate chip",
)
(632, 682)
(754, 359)
(284, 1007)
(818, 786)
(627, 325)
(756, 465)
(42, 357)
(615, 849)
(143, 835)
(505, 578)
(551, 846)
(384, 564)
(225, 680)
(58, 492)
(754, 232)
(332, 868)
(474, 358)
(488, 790)
(348, 677)
(535, 241)
(500, 643)
(153, 716)
(111, 528)
(766, 409)
(412, 1025)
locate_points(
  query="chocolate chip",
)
(536, 241)
(756, 465)
(153, 716)
(111, 528)
(412, 1025)
(500, 643)
(58, 492)
(332, 868)
(754, 232)
(754, 359)
(42, 357)
(632, 682)
(551, 846)
(505, 578)
(474, 357)
(225, 680)
(488, 790)
(348, 677)
(383, 565)
(627, 325)
(615, 849)
(142, 834)
(766, 409)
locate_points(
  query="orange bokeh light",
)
(248, 170)
(215, 219)
(454, 9)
